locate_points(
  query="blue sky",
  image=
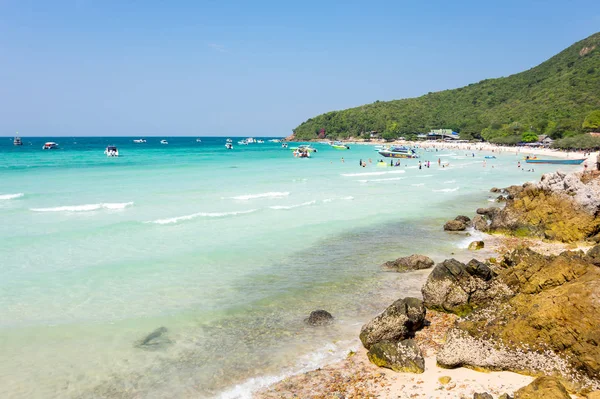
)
(84, 67)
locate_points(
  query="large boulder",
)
(398, 322)
(412, 262)
(462, 218)
(402, 356)
(594, 254)
(455, 225)
(480, 223)
(319, 318)
(457, 288)
(548, 326)
(543, 388)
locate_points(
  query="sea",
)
(220, 254)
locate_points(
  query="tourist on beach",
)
(419, 164)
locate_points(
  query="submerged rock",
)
(476, 245)
(412, 262)
(399, 321)
(543, 387)
(155, 340)
(455, 225)
(319, 318)
(402, 356)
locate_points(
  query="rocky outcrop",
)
(559, 207)
(547, 326)
(402, 356)
(455, 225)
(476, 245)
(483, 395)
(412, 262)
(480, 223)
(458, 288)
(462, 218)
(398, 322)
(543, 387)
(319, 318)
(594, 255)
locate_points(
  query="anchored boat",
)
(577, 161)
(111, 151)
(399, 152)
(338, 145)
(50, 145)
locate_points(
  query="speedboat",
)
(284, 145)
(250, 140)
(138, 141)
(17, 141)
(399, 152)
(338, 145)
(243, 142)
(577, 161)
(111, 151)
(164, 142)
(260, 141)
(304, 147)
(50, 145)
(275, 141)
(198, 141)
(301, 153)
(229, 146)
(228, 141)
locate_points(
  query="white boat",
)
(138, 141)
(284, 145)
(260, 141)
(50, 145)
(275, 140)
(198, 141)
(229, 141)
(229, 146)
(17, 141)
(304, 147)
(243, 142)
(164, 142)
(111, 151)
(250, 140)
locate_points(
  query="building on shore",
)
(440, 134)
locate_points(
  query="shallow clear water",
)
(229, 250)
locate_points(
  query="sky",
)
(254, 68)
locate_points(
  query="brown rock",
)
(403, 356)
(465, 219)
(454, 225)
(594, 254)
(319, 318)
(412, 262)
(484, 395)
(480, 223)
(476, 245)
(543, 388)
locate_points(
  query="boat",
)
(260, 141)
(138, 141)
(577, 161)
(17, 141)
(111, 151)
(399, 152)
(228, 141)
(301, 153)
(303, 147)
(284, 145)
(243, 142)
(490, 157)
(275, 140)
(198, 141)
(164, 142)
(250, 140)
(229, 146)
(338, 145)
(50, 145)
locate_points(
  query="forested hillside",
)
(553, 98)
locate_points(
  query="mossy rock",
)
(403, 356)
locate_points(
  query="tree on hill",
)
(592, 121)
(529, 137)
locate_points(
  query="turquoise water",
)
(229, 250)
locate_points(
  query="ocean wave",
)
(446, 190)
(285, 207)
(372, 173)
(10, 196)
(348, 198)
(418, 184)
(449, 181)
(380, 180)
(200, 214)
(86, 207)
(273, 194)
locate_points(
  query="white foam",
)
(200, 214)
(380, 180)
(283, 207)
(86, 207)
(372, 173)
(273, 194)
(449, 181)
(10, 196)
(446, 190)
(418, 184)
(328, 354)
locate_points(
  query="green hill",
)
(553, 98)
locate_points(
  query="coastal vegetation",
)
(559, 98)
